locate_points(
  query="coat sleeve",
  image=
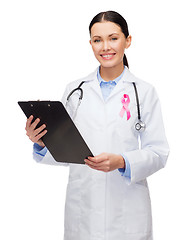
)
(154, 150)
(48, 158)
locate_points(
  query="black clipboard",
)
(62, 139)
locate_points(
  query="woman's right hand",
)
(33, 133)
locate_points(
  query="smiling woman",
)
(107, 198)
(109, 41)
(109, 44)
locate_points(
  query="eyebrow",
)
(108, 35)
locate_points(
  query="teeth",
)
(107, 56)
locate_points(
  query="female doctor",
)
(107, 198)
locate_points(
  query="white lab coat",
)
(109, 206)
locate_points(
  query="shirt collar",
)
(116, 80)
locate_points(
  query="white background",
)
(44, 45)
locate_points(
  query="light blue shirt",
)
(39, 152)
(106, 87)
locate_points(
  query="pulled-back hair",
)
(112, 16)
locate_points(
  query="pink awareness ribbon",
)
(125, 106)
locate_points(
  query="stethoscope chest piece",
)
(140, 126)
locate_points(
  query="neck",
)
(110, 73)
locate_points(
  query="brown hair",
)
(116, 18)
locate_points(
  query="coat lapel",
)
(95, 86)
(121, 85)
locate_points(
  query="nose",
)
(106, 46)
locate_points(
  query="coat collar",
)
(127, 76)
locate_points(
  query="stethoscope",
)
(139, 126)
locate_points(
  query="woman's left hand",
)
(106, 162)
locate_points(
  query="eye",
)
(114, 38)
(97, 40)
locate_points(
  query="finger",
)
(39, 136)
(91, 166)
(34, 124)
(95, 164)
(28, 122)
(102, 168)
(91, 163)
(38, 130)
(99, 158)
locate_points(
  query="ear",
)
(90, 42)
(128, 41)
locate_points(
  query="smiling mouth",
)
(108, 56)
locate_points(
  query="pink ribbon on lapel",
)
(125, 106)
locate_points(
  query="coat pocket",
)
(72, 206)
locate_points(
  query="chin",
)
(111, 63)
(108, 64)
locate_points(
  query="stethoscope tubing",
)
(137, 101)
(139, 126)
(77, 89)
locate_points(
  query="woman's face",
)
(108, 43)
